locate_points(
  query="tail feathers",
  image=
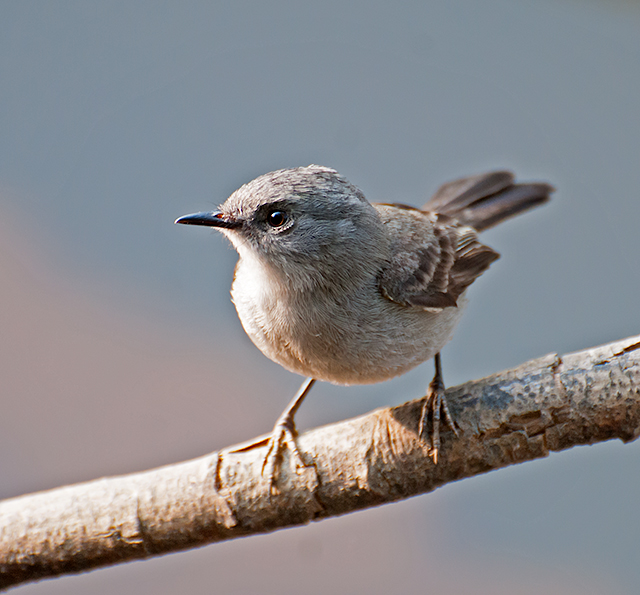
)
(485, 200)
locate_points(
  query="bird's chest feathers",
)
(260, 296)
(254, 294)
(263, 300)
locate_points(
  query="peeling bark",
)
(548, 404)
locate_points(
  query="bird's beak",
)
(210, 219)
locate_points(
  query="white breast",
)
(360, 339)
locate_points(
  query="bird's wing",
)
(432, 257)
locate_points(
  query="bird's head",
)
(301, 222)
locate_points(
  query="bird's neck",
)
(310, 277)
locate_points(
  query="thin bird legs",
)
(284, 433)
(433, 406)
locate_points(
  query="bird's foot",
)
(283, 437)
(435, 407)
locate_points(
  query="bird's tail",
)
(485, 200)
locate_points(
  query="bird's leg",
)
(284, 433)
(433, 406)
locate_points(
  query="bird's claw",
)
(284, 435)
(434, 406)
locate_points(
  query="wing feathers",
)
(435, 253)
(433, 259)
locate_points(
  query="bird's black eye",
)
(277, 218)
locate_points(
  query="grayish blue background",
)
(119, 347)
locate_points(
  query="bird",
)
(338, 289)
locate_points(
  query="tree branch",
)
(548, 404)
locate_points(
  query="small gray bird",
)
(335, 288)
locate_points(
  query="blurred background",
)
(120, 349)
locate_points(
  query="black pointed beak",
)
(209, 219)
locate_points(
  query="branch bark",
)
(548, 404)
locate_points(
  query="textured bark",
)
(544, 405)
